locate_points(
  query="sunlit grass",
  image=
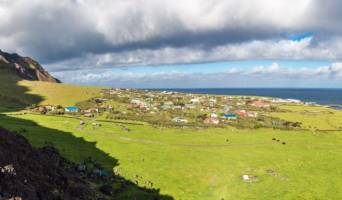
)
(201, 164)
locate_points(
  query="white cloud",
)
(254, 50)
(334, 70)
(258, 76)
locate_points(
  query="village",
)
(164, 108)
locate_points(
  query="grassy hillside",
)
(60, 94)
(312, 117)
(18, 93)
(13, 96)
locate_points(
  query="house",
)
(213, 115)
(211, 120)
(91, 110)
(165, 107)
(212, 100)
(260, 104)
(155, 108)
(40, 109)
(50, 108)
(241, 103)
(278, 100)
(136, 102)
(195, 101)
(276, 123)
(144, 107)
(293, 101)
(252, 114)
(211, 104)
(71, 109)
(190, 106)
(169, 103)
(177, 107)
(100, 100)
(241, 113)
(180, 120)
(88, 114)
(226, 108)
(140, 104)
(230, 116)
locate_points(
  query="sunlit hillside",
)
(15, 92)
(59, 94)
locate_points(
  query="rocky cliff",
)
(25, 67)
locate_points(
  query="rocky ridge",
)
(25, 67)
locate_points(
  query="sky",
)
(179, 44)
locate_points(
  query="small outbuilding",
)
(180, 120)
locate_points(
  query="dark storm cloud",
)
(56, 31)
(51, 32)
(326, 14)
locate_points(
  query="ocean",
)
(332, 97)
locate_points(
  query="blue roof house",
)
(71, 109)
(230, 116)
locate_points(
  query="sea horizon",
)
(323, 96)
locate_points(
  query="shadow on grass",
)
(15, 98)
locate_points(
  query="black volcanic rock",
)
(25, 67)
(37, 174)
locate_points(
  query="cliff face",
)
(25, 67)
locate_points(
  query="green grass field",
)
(188, 163)
(201, 164)
(312, 117)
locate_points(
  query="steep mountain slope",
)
(25, 67)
